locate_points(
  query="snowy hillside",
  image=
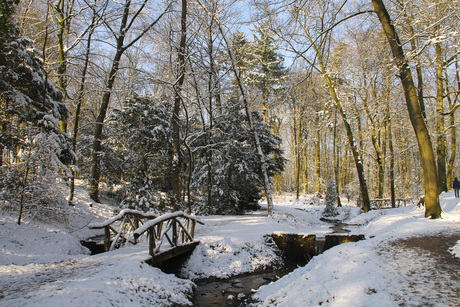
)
(44, 265)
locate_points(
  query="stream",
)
(236, 291)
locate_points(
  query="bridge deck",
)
(172, 252)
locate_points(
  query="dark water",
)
(234, 291)
(340, 228)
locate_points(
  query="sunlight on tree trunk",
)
(432, 206)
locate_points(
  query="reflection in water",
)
(234, 291)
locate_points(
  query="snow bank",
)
(455, 250)
(367, 273)
(232, 245)
(45, 265)
(34, 242)
(119, 278)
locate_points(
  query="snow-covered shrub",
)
(34, 152)
(228, 177)
(331, 199)
(137, 152)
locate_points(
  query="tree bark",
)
(296, 148)
(380, 158)
(97, 143)
(120, 49)
(336, 160)
(418, 65)
(176, 160)
(441, 137)
(354, 150)
(81, 93)
(318, 157)
(63, 20)
(453, 133)
(432, 206)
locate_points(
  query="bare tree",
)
(432, 206)
(180, 77)
(127, 23)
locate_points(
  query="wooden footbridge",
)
(384, 203)
(169, 235)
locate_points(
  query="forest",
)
(209, 106)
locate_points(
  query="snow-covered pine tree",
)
(331, 199)
(265, 70)
(33, 149)
(139, 151)
(237, 175)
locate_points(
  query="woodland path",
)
(433, 274)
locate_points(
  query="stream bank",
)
(297, 251)
(237, 290)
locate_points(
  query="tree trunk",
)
(96, 156)
(356, 156)
(453, 133)
(120, 36)
(81, 93)
(297, 156)
(388, 134)
(318, 157)
(375, 131)
(441, 137)
(176, 161)
(418, 65)
(260, 153)
(335, 151)
(392, 166)
(354, 150)
(432, 206)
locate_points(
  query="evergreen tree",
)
(34, 148)
(265, 70)
(331, 199)
(236, 172)
(141, 148)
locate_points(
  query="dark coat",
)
(456, 184)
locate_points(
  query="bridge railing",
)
(176, 228)
(380, 203)
(130, 221)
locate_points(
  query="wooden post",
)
(151, 241)
(192, 231)
(135, 226)
(174, 229)
(106, 238)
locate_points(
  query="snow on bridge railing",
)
(382, 203)
(131, 220)
(121, 215)
(177, 227)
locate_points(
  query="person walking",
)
(456, 186)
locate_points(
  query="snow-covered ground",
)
(44, 265)
(378, 271)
